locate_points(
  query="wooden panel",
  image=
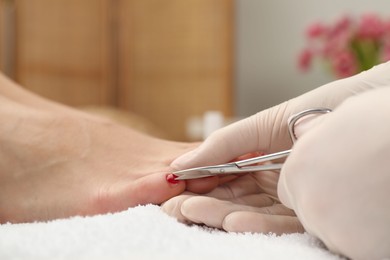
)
(2, 61)
(7, 42)
(175, 59)
(63, 50)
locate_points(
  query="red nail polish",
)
(171, 178)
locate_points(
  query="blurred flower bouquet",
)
(349, 45)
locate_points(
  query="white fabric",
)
(145, 232)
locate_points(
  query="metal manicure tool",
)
(252, 164)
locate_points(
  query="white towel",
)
(145, 232)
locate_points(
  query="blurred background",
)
(166, 67)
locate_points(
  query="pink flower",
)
(344, 64)
(343, 25)
(386, 26)
(305, 59)
(371, 27)
(316, 30)
(348, 46)
(336, 43)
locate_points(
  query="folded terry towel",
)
(145, 232)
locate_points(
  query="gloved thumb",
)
(223, 145)
(305, 124)
(302, 127)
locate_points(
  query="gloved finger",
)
(223, 145)
(237, 188)
(212, 212)
(307, 123)
(254, 200)
(247, 221)
(172, 207)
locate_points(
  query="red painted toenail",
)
(171, 178)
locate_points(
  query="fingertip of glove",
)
(183, 161)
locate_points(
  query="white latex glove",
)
(264, 132)
(337, 178)
(267, 130)
(245, 204)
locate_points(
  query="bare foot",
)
(56, 165)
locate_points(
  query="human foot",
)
(56, 165)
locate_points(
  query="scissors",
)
(252, 164)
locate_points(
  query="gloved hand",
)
(337, 176)
(245, 204)
(264, 132)
(267, 130)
